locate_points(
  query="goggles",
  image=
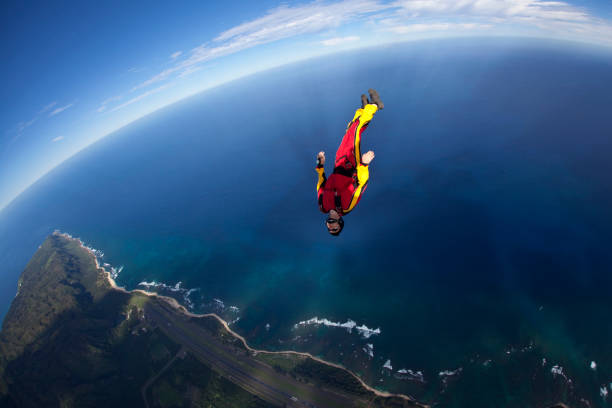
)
(332, 221)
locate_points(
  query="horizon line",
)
(582, 43)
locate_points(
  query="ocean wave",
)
(349, 325)
(557, 370)
(446, 375)
(388, 365)
(186, 297)
(218, 305)
(524, 349)
(177, 289)
(369, 350)
(407, 374)
(96, 252)
(99, 254)
(450, 373)
(366, 332)
(160, 285)
(115, 272)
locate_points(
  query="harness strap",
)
(338, 202)
(344, 171)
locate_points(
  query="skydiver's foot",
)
(364, 101)
(375, 99)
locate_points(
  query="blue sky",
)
(75, 71)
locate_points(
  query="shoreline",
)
(176, 305)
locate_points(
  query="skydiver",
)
(340, 193)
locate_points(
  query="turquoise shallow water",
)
(479, 249)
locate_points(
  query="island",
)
(72, 338)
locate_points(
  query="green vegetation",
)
(327, 376)
(188, 383)
(138, 300)
(57, 280)
(285, 362)
(67, 340)
(217, 329)
(71, 340)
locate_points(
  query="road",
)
(241, 368)
(143, 390)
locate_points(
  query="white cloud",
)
(60, 109)
(498, 8)
(140, 97)
(330, 42)
(48, 107)
(432, 27)
(284, 22)
(280, 23)
(189, 71)
(104, 105)
(400, 16)
(111, 99)
(21, 126)
(57, 139)
(593, 31)
(558, 19)
(547, 18)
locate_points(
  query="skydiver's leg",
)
(349, 152)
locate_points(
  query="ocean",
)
(476, 268)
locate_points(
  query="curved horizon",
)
(522, 40)
(129, 62)
(488, 204)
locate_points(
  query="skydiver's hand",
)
(367, 157)
(321, 158)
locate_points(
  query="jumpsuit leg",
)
(349, 152)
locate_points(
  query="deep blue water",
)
(482, 242)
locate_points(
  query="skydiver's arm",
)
(320, 169)
(363, 174)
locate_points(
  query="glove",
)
(321, 159)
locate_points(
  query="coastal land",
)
(72, 338)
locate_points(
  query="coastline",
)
(176, 305)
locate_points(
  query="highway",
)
(240, 367)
